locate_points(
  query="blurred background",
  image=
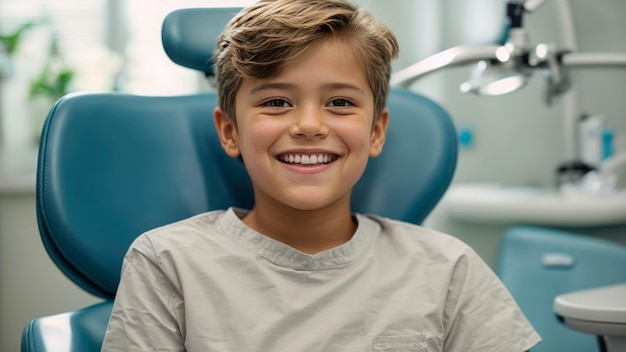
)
(50, 48)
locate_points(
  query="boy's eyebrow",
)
(292, 86)
(341, 85)
(273, 85)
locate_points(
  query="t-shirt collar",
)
(284, 255)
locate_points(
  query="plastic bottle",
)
(591, 133)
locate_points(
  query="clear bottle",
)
(591, 138)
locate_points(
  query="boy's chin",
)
(314, 204)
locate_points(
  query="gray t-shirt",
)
(210, 283)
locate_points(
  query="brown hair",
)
(260, 40)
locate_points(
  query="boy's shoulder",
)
(417, 232)
(420, 239)
(181, 233)
(196, 222)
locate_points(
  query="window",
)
(150, 70)
(75, 25)
(108, 44)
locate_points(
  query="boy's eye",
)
(339, 103)
(277, 103)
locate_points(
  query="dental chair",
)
(113, 165)
(537, 264)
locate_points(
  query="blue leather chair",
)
(112, 166)
(537, 264)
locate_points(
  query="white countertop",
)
(600, 311)
(496, 204)
(603, 304)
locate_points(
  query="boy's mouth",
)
(307, 159)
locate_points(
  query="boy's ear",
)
(379, 131)
(227, 132)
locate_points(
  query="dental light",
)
(493, 78)
(502, 69)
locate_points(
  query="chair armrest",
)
(81, 330)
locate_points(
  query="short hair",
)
(261, 39)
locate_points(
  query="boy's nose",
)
(309, 123)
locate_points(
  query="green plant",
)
(51, 84)
(11, 41)
(54, 80)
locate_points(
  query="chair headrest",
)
(189, 35)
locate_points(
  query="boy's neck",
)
(309, 231)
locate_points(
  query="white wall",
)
(30, 284)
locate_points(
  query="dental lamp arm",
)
(467, 54)
(594, 60)
(456, 56)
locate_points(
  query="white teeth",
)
(307, 159)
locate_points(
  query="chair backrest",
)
(537, 264)
(113, 165)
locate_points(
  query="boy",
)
(302, 87)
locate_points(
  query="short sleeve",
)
(144, 315)
(480, 314)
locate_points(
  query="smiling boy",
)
(305, 136)
(302, 86)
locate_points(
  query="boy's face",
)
(306, 135)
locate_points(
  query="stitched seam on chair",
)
(64, 261)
